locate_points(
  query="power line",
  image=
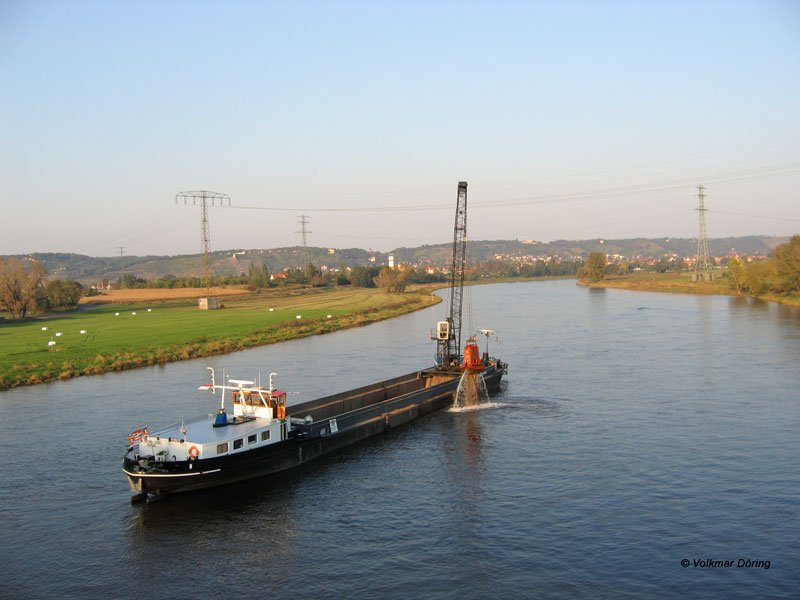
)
(573, 196)
(752, 216)
(107, 237)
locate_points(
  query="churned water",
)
(636, 433)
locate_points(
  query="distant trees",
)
(615, 269)
(363, 276)
(779, 274)
(736, 274)
(129, 281)
(19, 285)
(595, 268)
(422, 276)
(787, 264)
(258, 276)
(393, 279)
(551, 267)
(308, 275)
(60, 294)
(759, 277)
(662, 265)
(23, 290)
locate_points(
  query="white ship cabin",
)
(259, 419)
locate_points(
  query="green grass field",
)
(178, 331)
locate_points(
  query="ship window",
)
(264, 436)
(238, 443)
(222, 448)
(252, 439)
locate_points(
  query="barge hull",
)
(336, 422)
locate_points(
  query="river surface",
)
(634, 430)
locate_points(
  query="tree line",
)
(24, 291)
(778, 274)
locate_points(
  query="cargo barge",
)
(262, 435)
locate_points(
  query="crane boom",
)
(457, 272)
(448, 332)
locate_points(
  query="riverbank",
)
(116, 337)
(680, 283)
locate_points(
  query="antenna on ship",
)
(488, 333)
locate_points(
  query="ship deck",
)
(201, 430)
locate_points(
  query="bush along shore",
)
(681, 283)
(181, 332)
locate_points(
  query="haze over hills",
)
(89, 269)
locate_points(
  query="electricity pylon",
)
(203, 197)
(702, 266)
(304, 234)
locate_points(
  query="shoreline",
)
(49, 367)
(58, 369)
(669, 284)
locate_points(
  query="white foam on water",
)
(482, 406)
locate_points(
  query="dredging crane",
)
(448, 332)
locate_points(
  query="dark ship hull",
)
(335, 422)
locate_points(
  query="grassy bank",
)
(126, 336)
(681, 283)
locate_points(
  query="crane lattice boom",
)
(453, 346)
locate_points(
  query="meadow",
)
(114, 337)
(680, 282)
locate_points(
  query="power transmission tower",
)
(203, 198)
(121, 256)
(702, 266)
(304, 236)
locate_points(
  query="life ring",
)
(194, 452)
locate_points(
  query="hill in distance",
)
(87, 269)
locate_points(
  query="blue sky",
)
(569, 120)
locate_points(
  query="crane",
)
(448, 332)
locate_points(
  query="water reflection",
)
(468, 437)
(255, 521)
(749, 303)
(789, 314)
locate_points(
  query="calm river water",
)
(635, 430)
